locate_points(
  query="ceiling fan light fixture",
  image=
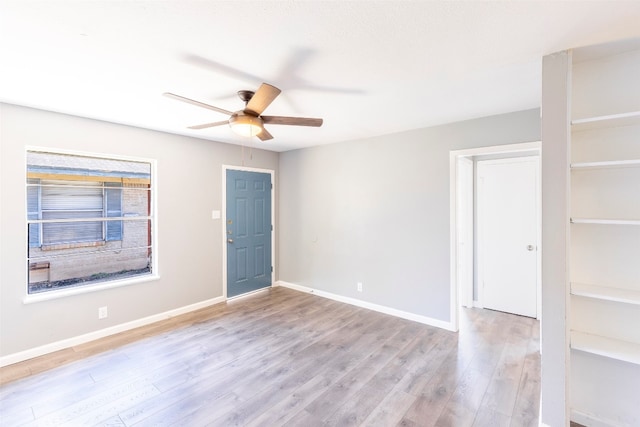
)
(245, 124)
(250, 121)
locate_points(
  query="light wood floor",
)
(285, 358)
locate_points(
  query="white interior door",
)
(507, 225)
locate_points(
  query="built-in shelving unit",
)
(604, 234)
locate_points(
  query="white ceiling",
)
(367, 67)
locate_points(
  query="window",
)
(89, 220)
(73, 199)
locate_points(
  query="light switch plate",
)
(215, 214)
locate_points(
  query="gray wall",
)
(376, 211)
(189, 184)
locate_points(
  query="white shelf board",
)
(606, 293)
(607, 347)
(611, 120)
(605, 221)
(606, 165)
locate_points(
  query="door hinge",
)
(272, 268)
(272, 186)
(271, 227)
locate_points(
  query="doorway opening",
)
(464, 250)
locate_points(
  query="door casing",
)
(225, 168)
(465, 229)
(456, 292)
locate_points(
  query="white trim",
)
(92, 336)
(370, 306)
(88, 154)
(77, 290)
(479, 189)
(465, 229)
(498, 149)
(590, 420)
(454, 291)
(453, 184)
(539, 236)
(153, 216)
(271, 172)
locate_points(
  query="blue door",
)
(248, 231)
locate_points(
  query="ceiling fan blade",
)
(198, 103)
(210, 125)
(265, 135)
(294, 121)
(262, 98)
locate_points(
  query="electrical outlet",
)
(359, 286)
(103, 313)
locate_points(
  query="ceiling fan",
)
(250, 121)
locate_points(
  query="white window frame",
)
(153, 217)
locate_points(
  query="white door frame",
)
(456, 293)
(465, 228)
(271, 172)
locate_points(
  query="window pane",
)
(113, 207)
(92, 265)
(33, 211)
(70, 232)
(71, 195)
(34, 235)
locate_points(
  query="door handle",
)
(530, 247)
(229, 240)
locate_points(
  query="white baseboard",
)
(81, 339)
(370, 306)
(590, 420)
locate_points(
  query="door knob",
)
(530, 247)
(229, 240)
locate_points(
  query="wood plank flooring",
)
(286, 358)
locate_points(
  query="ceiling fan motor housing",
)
(246, 95)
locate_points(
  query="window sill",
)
(62, 293)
